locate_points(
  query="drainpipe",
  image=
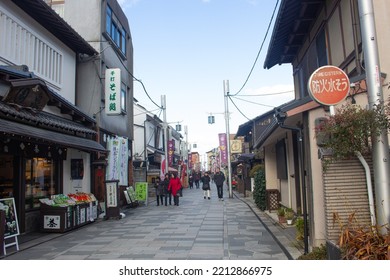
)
(369, 188)
(380, 154)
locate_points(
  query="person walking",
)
(158, 185)
(206, 185)
(197, 177)
(175, 186)
(191, 181)
(167, 193)
(219, 179)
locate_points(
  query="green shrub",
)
(318, 253)
(300, 226)
(259, 194)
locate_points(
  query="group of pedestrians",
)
(171, 186)
(218, 177)
(168, 188)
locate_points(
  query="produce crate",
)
(83, 213)
(92, 212)
(56, 218)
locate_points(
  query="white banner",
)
(117, 167)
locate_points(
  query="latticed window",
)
(115, 30)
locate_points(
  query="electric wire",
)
(261, 104)
(258, 53)
(267, 94)
(239, 109)
(142, 84)
(150, 111)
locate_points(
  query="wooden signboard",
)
(112, 199)
(11, 223)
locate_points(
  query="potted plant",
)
(289, 216)
(281, 215)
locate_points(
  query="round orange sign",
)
(328, 85)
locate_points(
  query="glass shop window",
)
(40, 181)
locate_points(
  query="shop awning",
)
(48, 136)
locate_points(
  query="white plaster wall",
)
(23, 24)
(270, 167)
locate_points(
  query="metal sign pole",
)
(380, 154)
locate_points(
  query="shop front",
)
(39, 150)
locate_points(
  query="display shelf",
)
(61, 219)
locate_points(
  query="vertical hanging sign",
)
(113, 167)
(117, 167)
(223, 147)
(171, 148)
(113, 91)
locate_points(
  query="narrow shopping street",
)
(196, 229)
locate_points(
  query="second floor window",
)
(115, 30)
(123, 98)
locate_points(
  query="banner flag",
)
(223, 147)
(117, 167)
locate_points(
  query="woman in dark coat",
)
(167, 193)
(158, 185)
(206, 185)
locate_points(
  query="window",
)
(322, 56)
(281, 160)
(123, 98)
(115, 30)
(108, 20)
(40, 181)
(315, 57)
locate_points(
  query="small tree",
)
(259, 193)
(352, 129)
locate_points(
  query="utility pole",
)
(380, 144)
(226, 94)
(165, 128)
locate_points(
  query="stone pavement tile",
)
(197, 229)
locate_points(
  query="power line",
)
(261, 48)
(261, 104)
(151, 111)
(143, 86)
(238, 109)
(267, 94)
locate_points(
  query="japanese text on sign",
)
(328, 85)
(113, 91)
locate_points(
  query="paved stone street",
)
(196, 229)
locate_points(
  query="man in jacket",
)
(219, 178)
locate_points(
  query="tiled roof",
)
(43, 119)
(294, 20)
